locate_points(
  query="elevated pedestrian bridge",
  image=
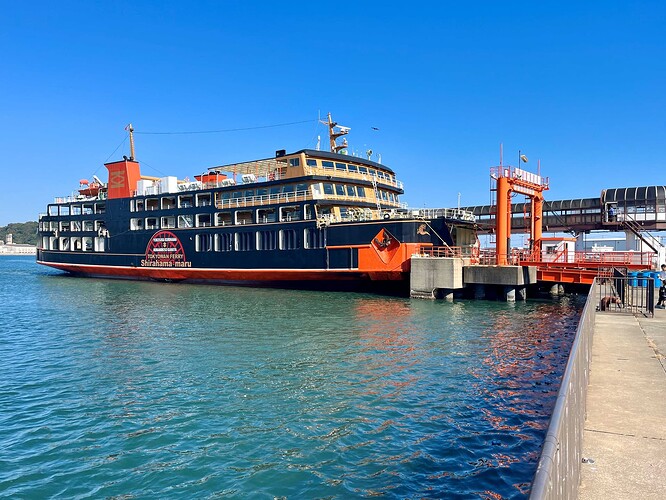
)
(617, 209)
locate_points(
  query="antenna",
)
(130, 129)
(318, 142)
(379, 157)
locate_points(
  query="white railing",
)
(268, 199)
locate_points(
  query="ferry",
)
(310, 217)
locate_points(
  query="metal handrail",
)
(558, 470)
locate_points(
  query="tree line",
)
(23, 232)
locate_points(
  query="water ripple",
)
(142, 390)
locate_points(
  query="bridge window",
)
(152, 204)
(311, 163)
(327, 164)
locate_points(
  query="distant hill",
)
(24, 232)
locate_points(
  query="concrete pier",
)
(440, 277)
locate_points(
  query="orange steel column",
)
(537, 220)
(502, 220)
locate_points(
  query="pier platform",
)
(624, 438)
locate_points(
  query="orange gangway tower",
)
(516, 180)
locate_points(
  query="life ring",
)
(387, 216)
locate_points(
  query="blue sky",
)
(579, 85)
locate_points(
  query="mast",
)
(130, 129)
(333, 134)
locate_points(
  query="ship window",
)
(64, 210)
(244, 217)
(100, 208)
(328, 188)
(168, 222)
(203, 242)
(87, 244)
(76, 244)
(384, 195)
(87, 209)
(275, 190)
(301, 187)
(53, 210)
(168, 202)
(151, 223)
(139, 205)
(76, 209)
(307, 212)
(262, 192)
(327, 164)
(152, 204)
(289, 240)
(339, 189)
(185, 201)
(249, 193)
(340, 166)
(99, 244)
(223, 219)
(363, 170)
(237, 194)
(64, 244)
(136, 224)
(294, 162)
(351, 191)
(290, 213)
(203, 220)
(288, 188)
(185, 221)
(311, 162)
(352, 168)
(64, 225)
(53, 243)
(226, 195)
(314, 237)
(266, 240)
(266, 215)
(88, 225)
(224, 242)
(76, 225)
(203, 200)
(244, 242)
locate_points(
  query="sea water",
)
(120, 389)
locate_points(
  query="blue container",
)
(641, 278)
(632, 279)
(657, 279)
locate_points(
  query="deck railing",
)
(558, 470)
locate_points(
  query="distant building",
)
(11, 248)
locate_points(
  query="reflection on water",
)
(111, 388)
